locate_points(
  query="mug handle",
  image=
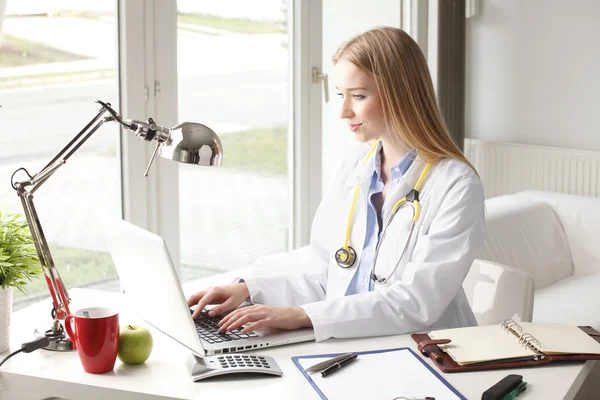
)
(69, 329)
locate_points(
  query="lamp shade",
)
(193, 143)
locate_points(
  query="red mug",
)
(95, 332)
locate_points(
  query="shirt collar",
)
(398, 170)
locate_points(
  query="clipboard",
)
(384, 374)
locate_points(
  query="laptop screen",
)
(150, 282)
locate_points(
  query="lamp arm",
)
(58, 291)
(148, 131)
(41, 177)
(74, 144)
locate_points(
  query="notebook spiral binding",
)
(525, 339)
(511, 326)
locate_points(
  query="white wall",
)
(533, 72)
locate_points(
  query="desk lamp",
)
(188, 143)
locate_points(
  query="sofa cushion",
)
(525, 233)
(580, 219)
(573, 300)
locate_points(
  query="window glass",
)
(56, 59)
(233, 77)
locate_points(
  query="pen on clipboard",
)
(338, 365)
(324, 364)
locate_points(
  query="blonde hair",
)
(406, 90)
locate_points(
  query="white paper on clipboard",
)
(380, 374)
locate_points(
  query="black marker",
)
(337, 366)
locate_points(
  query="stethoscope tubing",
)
(346, 255)
(410, 234)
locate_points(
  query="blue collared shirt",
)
(361, 281)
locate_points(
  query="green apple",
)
(135, 344)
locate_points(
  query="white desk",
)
(43, 374)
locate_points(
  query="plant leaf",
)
(18, 258)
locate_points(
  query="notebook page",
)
(481, 343)
(562, 338)
(381, 375)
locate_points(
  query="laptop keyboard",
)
(208, 327)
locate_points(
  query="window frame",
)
(148, 46)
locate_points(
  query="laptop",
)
(150, 282)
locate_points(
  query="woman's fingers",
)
(239, 312)
(261, 316)
(262, 323)
(232, 316)
(195, 298)
(243, 319)
(232, 323)
(228, 296)
(213, 295)
(221, 308)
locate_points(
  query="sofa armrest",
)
(497, 292)
(526, 233)
(580, 219)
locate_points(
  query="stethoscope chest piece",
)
(345, 258)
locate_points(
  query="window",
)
(49, 80)
(233, 74)
(233, 77)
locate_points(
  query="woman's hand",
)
(228, 297)
(261, 316)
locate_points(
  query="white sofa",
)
(556, 238)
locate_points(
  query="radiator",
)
(510, 167)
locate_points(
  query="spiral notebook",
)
(510, 344)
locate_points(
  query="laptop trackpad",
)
(269, 332)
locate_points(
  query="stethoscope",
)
(346, 256)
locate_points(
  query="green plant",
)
(19, 262)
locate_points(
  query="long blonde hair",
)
(404, 84)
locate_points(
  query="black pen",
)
(337, 366)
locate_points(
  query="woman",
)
(416, 283)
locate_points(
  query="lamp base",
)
(59, 341)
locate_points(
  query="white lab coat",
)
(425, 292)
